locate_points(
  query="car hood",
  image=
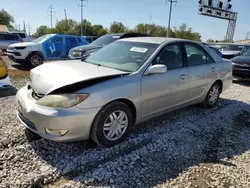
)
(21, 44)
(52, 76)
(229, 52)
(241, 59)
(85, 48)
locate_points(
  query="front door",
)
(54, 48)
(164, 91)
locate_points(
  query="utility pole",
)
(29, 28)
(51, 14)
(82, 5)
(170, 14)
(65, 13)
(24, 27)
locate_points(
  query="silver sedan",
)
(123, 84)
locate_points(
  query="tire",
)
(31, 136)
(104, 137)
(34, 60)
(216, 89)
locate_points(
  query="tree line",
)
(72, 27)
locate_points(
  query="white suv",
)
(47, 47)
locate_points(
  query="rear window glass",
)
(22, 35)
(79, 39)
(106, 39)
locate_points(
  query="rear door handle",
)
(183, 76)
(213, 69)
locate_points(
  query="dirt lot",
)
(192, 147)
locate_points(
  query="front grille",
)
(228, 56)
(36, 95)
(27, 122)
(242, 67)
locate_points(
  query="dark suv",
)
(82, 52)
(7, 39)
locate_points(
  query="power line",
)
(51, 14)
(82, 5)
(170, 13)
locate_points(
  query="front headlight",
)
(62, 101)
(76, 54)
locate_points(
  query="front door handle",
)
(183, 76)
(213, 69)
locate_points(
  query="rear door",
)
(200, 68)
(70, 42)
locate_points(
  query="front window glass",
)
(42, 38)
(171, 56)
(122, 55)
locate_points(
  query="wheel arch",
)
(221, 84)
(130, 104)
(36, 52)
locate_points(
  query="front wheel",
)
(35, 60)
(111, 124)
(212, 95)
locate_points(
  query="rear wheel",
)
(212, 95)
(111, 124)
(35, 60)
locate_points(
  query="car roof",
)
(154, 40)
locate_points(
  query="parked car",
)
(123, 84)
(81, 52)
(23, 35)
(91, 38)
(4, 79)
(47, 47)
(7, 39)
(241, 65)
(214, 49)
(231, 51)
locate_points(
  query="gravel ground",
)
(191, 147)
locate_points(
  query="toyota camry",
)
(123, 84)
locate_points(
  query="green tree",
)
(6, 18)
(68, 26)
(42, 30)
(117, 27)
(185, 32)
(98, 30)
(210, 40)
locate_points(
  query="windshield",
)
(105, 40)
(246, 53)
(42, 38)
(122, 55)
(232, 48)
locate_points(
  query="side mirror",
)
(157, 69)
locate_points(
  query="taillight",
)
(21, 40)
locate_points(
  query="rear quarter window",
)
(22, 35)
(11, 37)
